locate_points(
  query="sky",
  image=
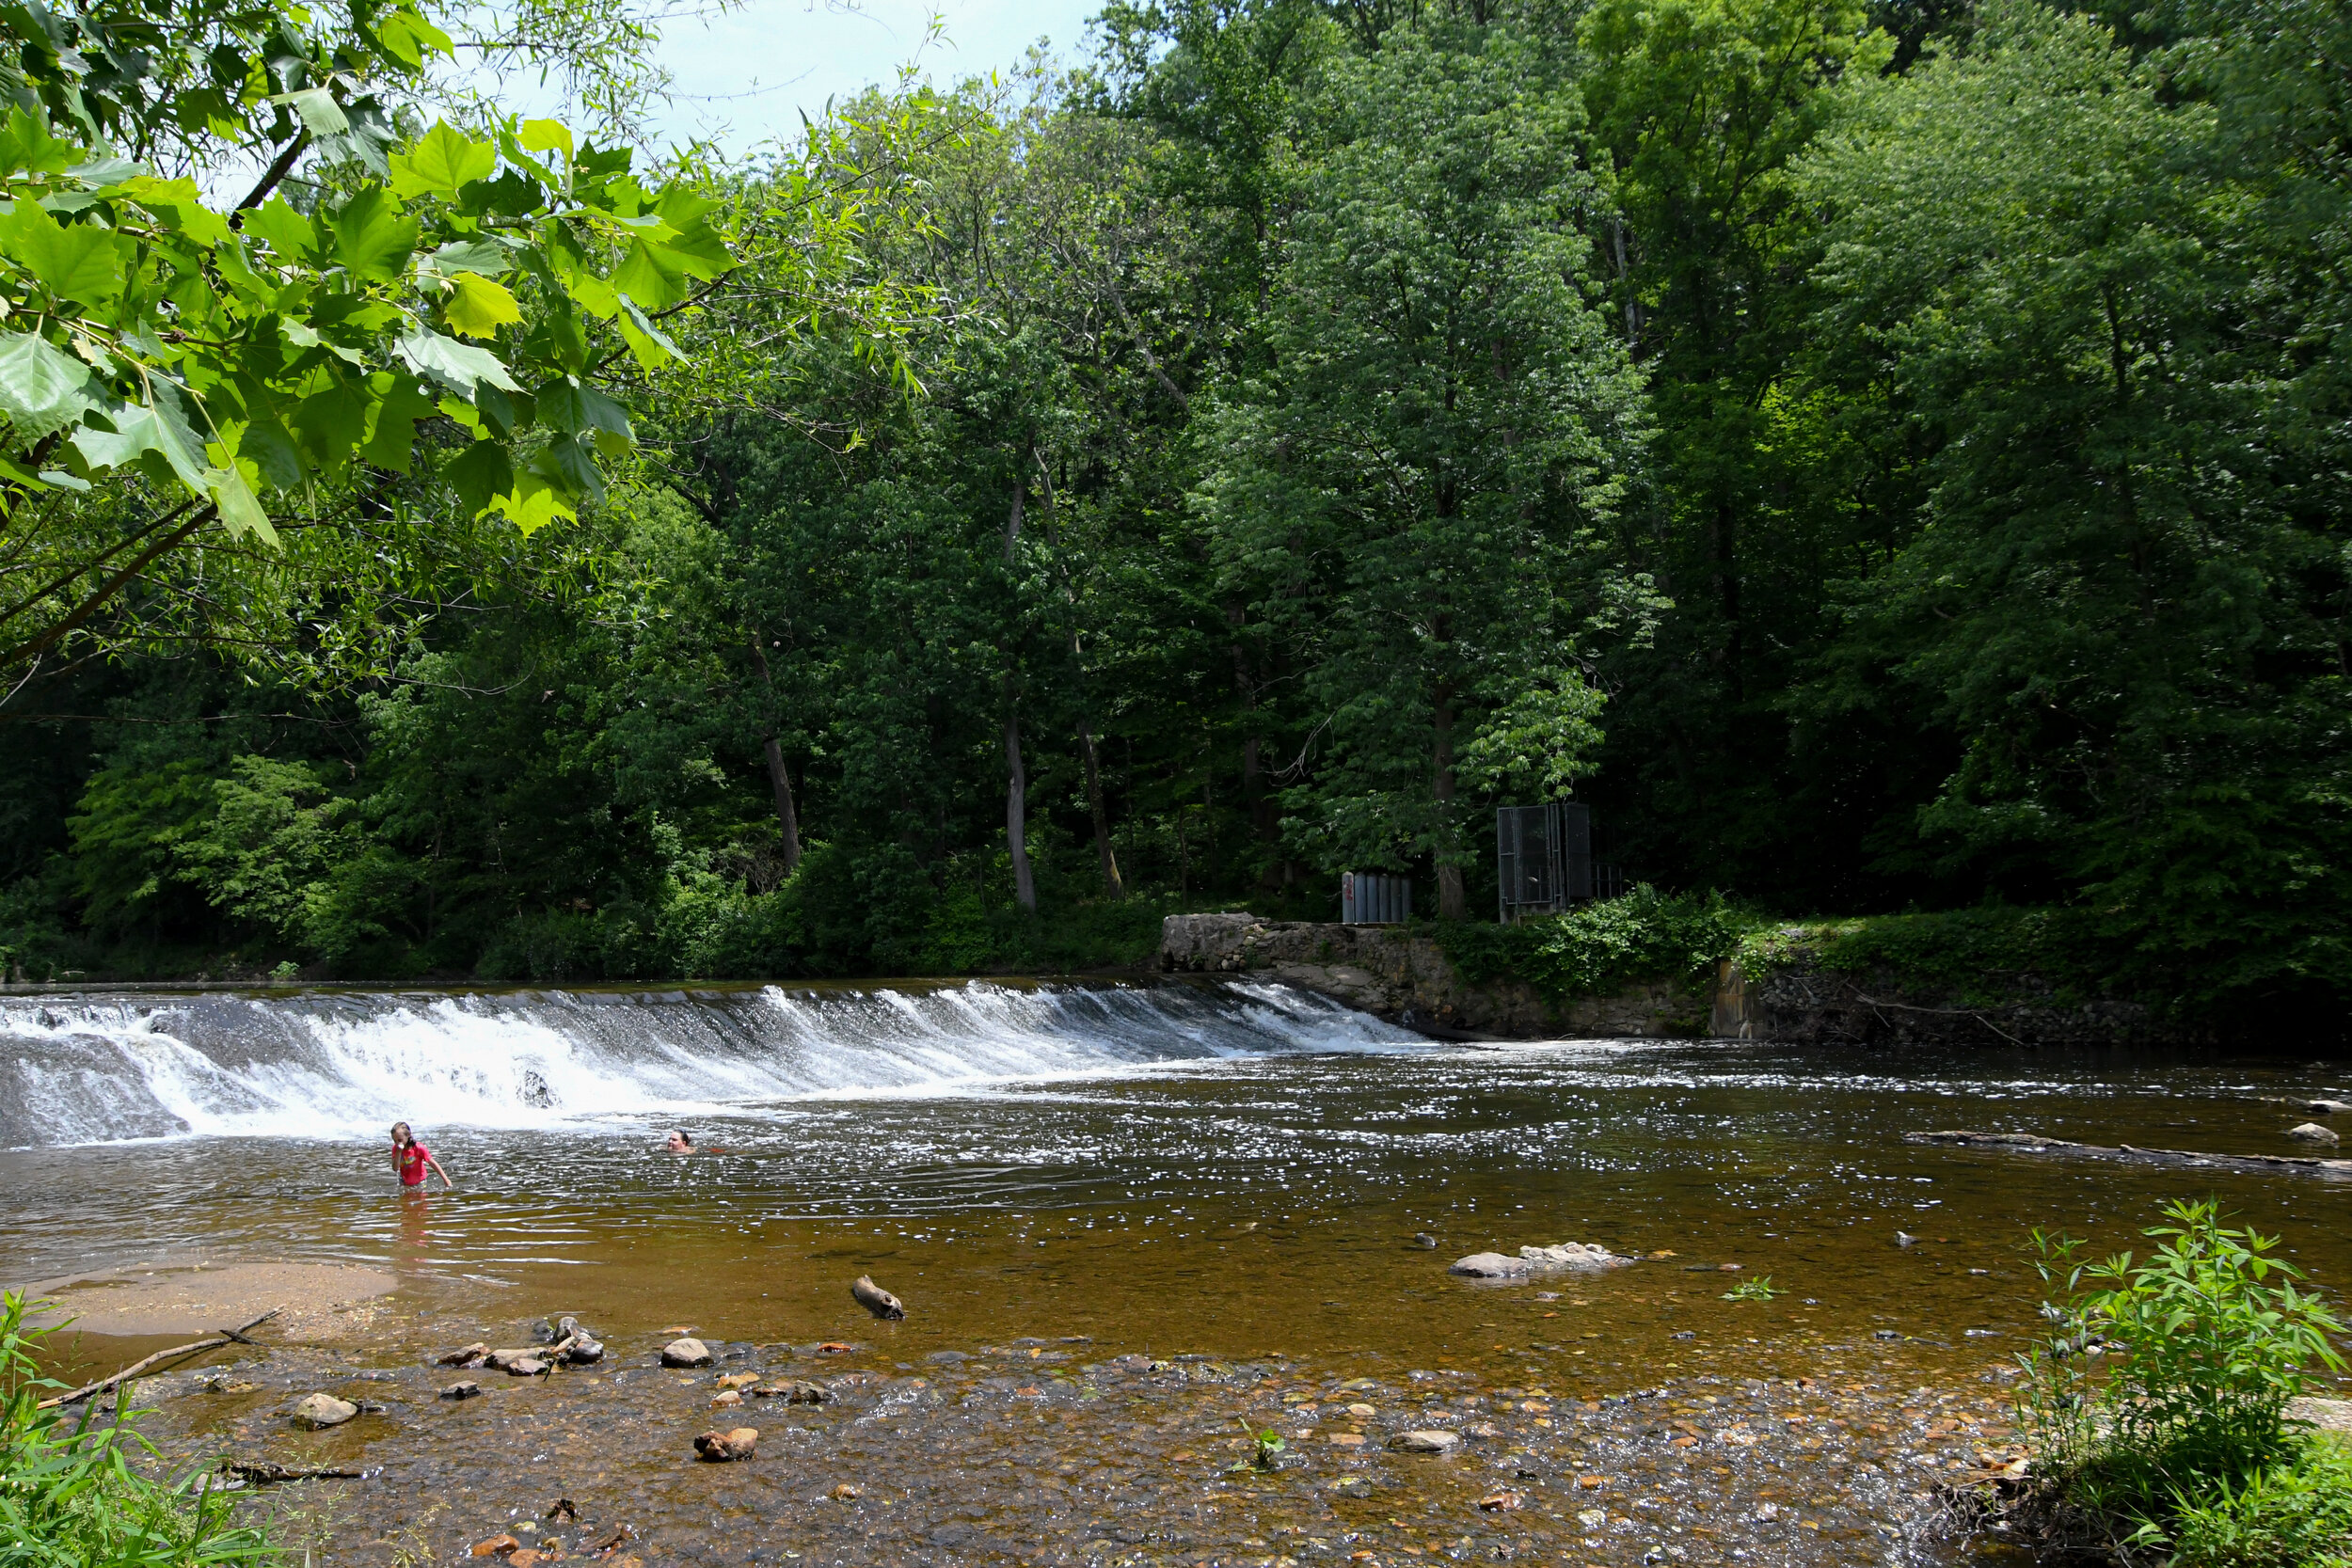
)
(747, 77)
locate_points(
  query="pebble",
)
(727, 1400)
(464, 1390)
(227, 1384)
(685, 1353)
(2312, 1133)
(720, 1447)
(498, 1545)
(736, 1380)
(1425, 1442)
(323, 1409)
(1347, 1440)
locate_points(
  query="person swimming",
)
(681, 1141)
(410, 1158)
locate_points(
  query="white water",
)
(100, 1069)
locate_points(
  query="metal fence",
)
(1544, 860)
(1374, 899)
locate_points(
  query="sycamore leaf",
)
(138, 429)
(456, 366)
(318, 109)
(572, 468)
(43, 388)
(648, 342)
(288, 231)
(26, 144)
(372, 240)
(486, 257)
(480, 474)
(401, 404)
(477, 307)
(331, 423)
(532, 504)
(442, 161)
(76, 261)
(655, 278)
(541, 134)
(240, 508)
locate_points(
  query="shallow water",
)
(1235, 1178)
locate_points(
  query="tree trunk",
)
(779, 781)
(1017, 810)
(1452, 897)
(1111, 882)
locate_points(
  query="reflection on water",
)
(1192, 1199)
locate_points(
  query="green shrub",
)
(2165, 1384)
(69, 1498)
(1599, 947)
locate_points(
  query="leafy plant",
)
(1597, 947)
(2296, 1515)
(69, 1498)
(2167, 1381)
(1754, 1290)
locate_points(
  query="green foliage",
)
(2295, 1513)
(1754, 1290)
(1601, 947)
(1954, 948)
(2168, 1378)
(70, 1496)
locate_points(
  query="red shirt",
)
(412, 1161)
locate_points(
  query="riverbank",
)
(1649, 967)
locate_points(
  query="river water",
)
(1133, 1228)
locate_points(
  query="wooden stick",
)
(2026, 1142)
(228, 1336)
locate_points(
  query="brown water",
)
(1113, 1275)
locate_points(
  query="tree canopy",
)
(1878, 457)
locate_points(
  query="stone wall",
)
(1387, 971)
(1408, 979)
(1803, 1002)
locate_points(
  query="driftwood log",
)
(261, 1473)
(2250, 1164)
(223, 1337)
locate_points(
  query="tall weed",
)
(69, 1498)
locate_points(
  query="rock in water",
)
(1572, 1255)
(526, 1366)
(504, 1359)
(1424, 1240)
(585, 1352)
(1537, 1260)
(465, 1391)
(2312, 1133)
(472, 1355)
(1424, 1441)
(720, 1447)
(689, 1352)
(323, 1409)
(875, 1299)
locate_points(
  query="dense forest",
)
(1881, 457)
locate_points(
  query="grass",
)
(68, 1497)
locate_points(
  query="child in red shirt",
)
(410, 1158)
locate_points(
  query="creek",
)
(1133, 1228)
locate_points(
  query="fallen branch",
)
(260, 1473)
(2026, 1142)
(227, 1337)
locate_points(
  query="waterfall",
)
(338, 1065)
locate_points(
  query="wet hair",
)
(682, 1135)
(400, 1127)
